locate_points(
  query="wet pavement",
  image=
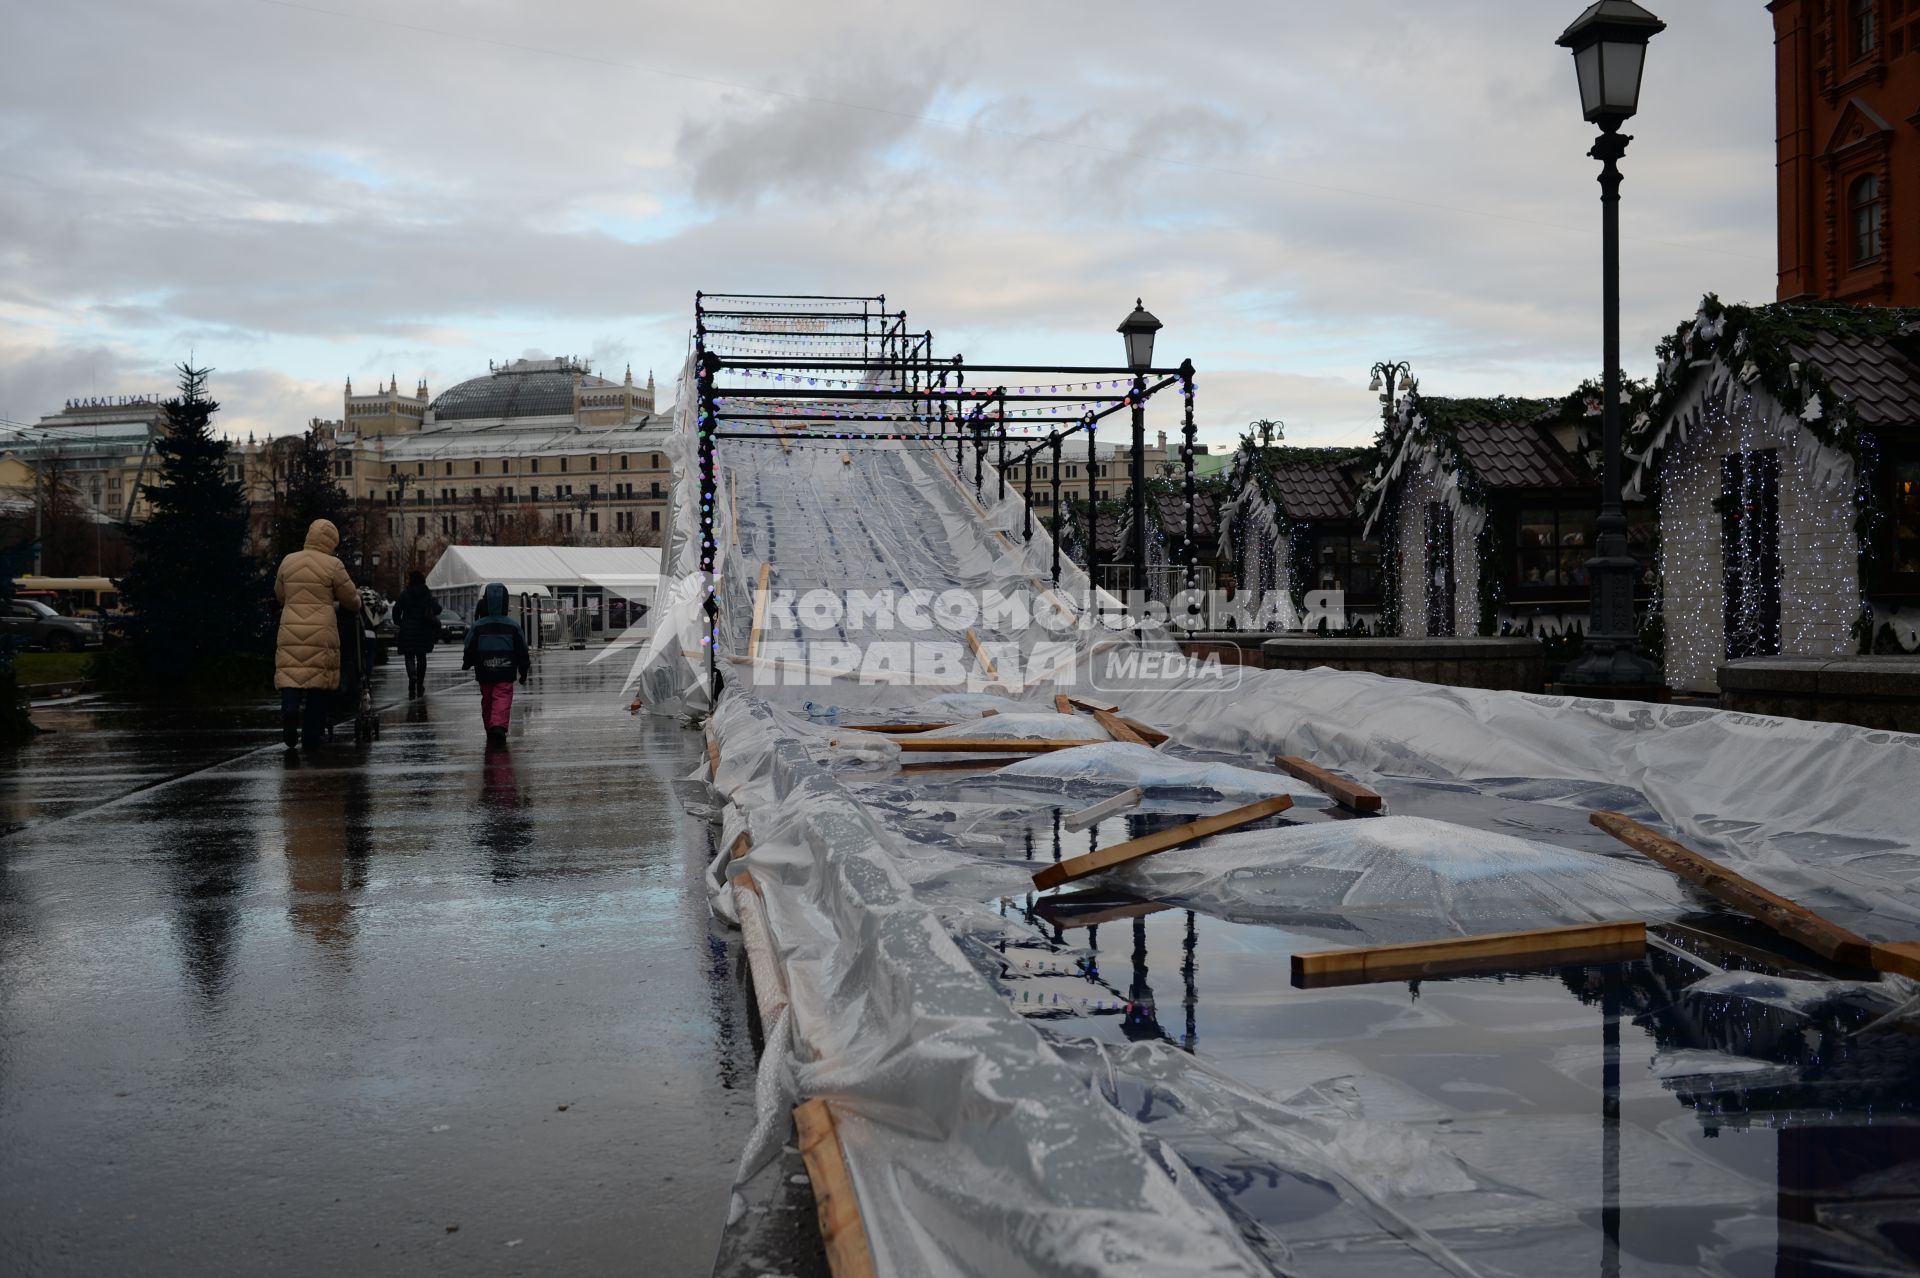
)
(410, 1007)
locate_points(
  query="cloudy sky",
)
(297, 193)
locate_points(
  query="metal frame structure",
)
(898, 380)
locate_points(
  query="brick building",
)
(1847, 98)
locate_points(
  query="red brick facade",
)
(1847, 99)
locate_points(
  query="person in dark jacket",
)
(416, 622)
(496, 652)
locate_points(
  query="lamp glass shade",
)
(1138, 330)
(1609, 46)
(1140, 348)
(1620, 64)
(1586, 64)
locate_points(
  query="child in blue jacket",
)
(496, 652)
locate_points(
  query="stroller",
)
(354, 697)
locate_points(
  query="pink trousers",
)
(496, 703)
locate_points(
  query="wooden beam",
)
(1104, 809)
(959, 765)
(742, 845)
(1789, 918)
(769, 985)
(1062, 703)
(985, 745)
(1152, 734)
(1091, 706)
(986, 662)
(1117, 728)
(1495, 951)
(848, 1253)
(1080, 867)
(1899, 957)
(713, 760)
(894, 727)
(759, 611)
(988, 714)
(1348, 794)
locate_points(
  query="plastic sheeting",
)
(988, 1139)
(1820, 812)
(1401, 879)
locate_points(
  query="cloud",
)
(436, 182)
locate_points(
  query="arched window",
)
(1863, 207)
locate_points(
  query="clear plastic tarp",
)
(1118, 1077)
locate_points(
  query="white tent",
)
(614, 585)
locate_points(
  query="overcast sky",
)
(298, 193)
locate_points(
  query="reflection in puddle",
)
(1715, 1107)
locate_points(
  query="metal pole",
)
(1609, 657)
(1056, 508)
(1139, 479)
(1003, 446)
(1093, 517)
(1189, 432)
(1026, 519)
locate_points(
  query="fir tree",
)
(15, 725)
(308, 492)
(197, 596)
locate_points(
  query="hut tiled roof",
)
(1518, 453)
(1878, 376)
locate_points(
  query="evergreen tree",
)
(15, 725)
(197, 596)
(308, 491)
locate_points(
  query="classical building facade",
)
(536, 452)
(1847, 98)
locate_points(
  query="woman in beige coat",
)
(306, 658)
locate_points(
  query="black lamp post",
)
(1609, 44)
(1138, 329)
(1387, 376)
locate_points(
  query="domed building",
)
(535, 452)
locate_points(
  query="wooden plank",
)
(985, 745)
(1899, 957)
(848, 1253)
(1080, 867)
(1349, 794)
(1495, 951)
(986, 662)
(959, 765)
(741, 846)
(1091, 706)
(1152, 734)
(713, 760)
(1789, 918)
(769, 986)
(1117, 728)
(895, 727)
(988, 714)
(759, 611)
(1104, 809)
(1062, 703)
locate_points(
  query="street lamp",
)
(1138, 330)
(1387, 375)
(1609, 44)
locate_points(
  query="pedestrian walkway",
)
(413, 1007)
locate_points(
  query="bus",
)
(71, 596)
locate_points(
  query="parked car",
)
(33, 624)
(452, 624)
